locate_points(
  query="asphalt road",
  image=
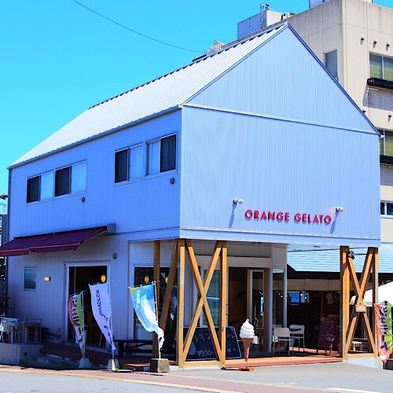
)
(333, 378)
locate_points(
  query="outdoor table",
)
(357, 345)
(22, 331)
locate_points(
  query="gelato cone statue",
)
(247, 335)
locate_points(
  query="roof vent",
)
(217, 46)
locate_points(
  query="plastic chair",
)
(297, 334)
(7, 327)
(282, 334)
(31, 330)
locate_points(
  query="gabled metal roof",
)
(162, 94)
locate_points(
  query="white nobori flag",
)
(143, 300)
(102, 310)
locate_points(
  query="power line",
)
(134, 31)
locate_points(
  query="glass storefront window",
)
(143, 276)
(213, 298)
(30, 278)
(278, 297)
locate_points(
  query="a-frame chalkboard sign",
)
(202, 347)
(328, 334)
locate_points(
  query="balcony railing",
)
(383, 83)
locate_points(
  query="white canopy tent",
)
(385, 292)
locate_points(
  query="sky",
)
(59, 57)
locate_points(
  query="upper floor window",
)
(128, 164)
(387, 209)
(70, 179)
(46, 186)
(62, 181)
(161, 155)
(331, 63)
(67, 180)
(78, 177)
(33, 189)
(381, 67)
(386, 143)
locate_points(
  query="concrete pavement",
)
(335, 377)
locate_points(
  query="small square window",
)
(33, 189)
(331, 63)
(62, 181)
(78, 177)
(161, 155)
(30, 278)
(381, 67)
(46, 185)
(168, 154)
(136, 168)
(121, 166)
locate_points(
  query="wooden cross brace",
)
(348, 274)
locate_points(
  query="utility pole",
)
(3, 260)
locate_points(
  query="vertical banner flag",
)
(143, 301)
(383, 319)
(102, 310)
(77, 319)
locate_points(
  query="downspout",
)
(5, 237)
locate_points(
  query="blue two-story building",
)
(218, 168)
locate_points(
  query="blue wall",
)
(139, 205)
(279, 167)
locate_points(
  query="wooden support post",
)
(169, 287)
(157, 276)
(202, 303)
(349, 323)
(223, 302)
(375, 297)
(344, 300)
(185, 252)
(181, 357)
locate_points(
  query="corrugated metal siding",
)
(282, 79)
(133, 205)
(329, 260)
(154, 97)
(277, 166)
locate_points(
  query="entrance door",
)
(257, 303)
(79, 280)
(237, 297)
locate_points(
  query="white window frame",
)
(46, 185)
(78, 177)
(135, 162)
(154, 155)
(385, 205)
(381, 67)
(134, 165)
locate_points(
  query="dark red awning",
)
(50, 242)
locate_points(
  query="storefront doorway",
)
(258, 305)
(259, 295)
(79, 279)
